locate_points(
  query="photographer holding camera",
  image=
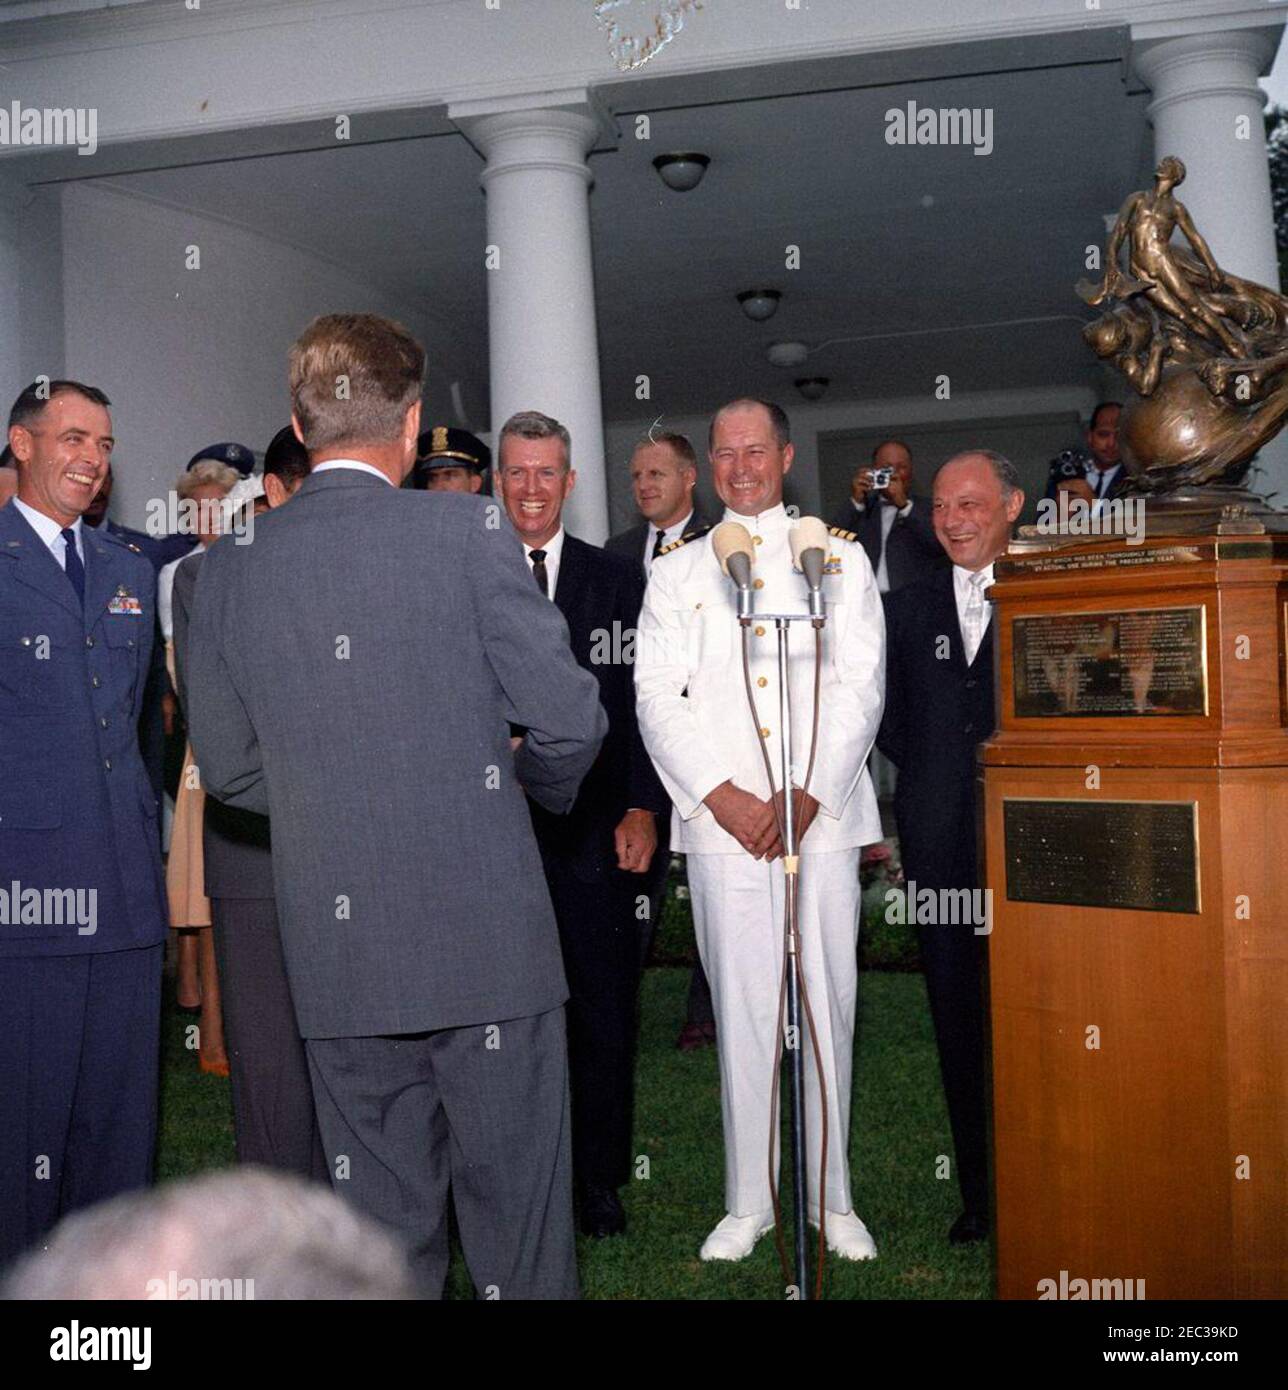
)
(894, 524)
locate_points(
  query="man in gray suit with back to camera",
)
(419, 938)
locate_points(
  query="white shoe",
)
(847, 1236)
(736, 1236)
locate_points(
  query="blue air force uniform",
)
(82, 906)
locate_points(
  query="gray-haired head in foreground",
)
(282, 1237)
(1006, 472)
(532, 424)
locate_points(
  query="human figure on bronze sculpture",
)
(1150, 217)
(1205, 351)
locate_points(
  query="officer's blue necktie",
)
(75, 567)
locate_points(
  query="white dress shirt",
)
(962, 591)
(672, 533)
(351, 463)
(889, 514)
(51, 533)
(553, 549)
(1101, 481)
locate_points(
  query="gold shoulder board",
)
(844, 535)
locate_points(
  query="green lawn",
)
(899, 1128)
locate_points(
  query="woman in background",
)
(203, 488)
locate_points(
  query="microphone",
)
(731, 542)
(809, 541)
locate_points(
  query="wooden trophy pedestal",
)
(1135, 821)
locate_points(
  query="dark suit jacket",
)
(912, 548)
(630, 543)
(937, 711)
(236, 846)
(599, 596)
(77, 812)
(353, 674)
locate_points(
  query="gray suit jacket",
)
(236, 846)
(353, 673)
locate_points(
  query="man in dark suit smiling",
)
(597, 856)
(939, 707)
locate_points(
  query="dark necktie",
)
(538, 558)
(73, 564)
(658, 544)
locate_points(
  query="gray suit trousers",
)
(483, 1109)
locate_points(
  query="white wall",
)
(40, 298)
(195, 357)
(959, 416)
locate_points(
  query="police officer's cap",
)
(236, 456)
(446, 447)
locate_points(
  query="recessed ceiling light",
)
(759, 305)
(787, 354)
(813, 388)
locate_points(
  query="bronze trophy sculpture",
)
(1135, 804)
(1207, 355)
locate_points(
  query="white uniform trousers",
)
(738, 917)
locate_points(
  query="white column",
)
(542, 338)
(1206, 101)
(1207, 111)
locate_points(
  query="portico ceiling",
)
(915, 261)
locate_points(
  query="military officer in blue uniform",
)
(82, 908)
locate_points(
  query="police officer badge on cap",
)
(444, 446)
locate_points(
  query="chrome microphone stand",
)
(791, 872)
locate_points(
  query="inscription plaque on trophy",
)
(1136, 661)
(1132, 854)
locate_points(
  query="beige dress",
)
(185, 878)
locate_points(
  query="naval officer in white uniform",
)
(699, 731)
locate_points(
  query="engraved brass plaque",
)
(1126, 854)
(1135, 661)
(1036, 558)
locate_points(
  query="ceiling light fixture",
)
(759, 305)
(681, 172)
(813, 388)
(787, 354)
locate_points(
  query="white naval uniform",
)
(692, 708)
